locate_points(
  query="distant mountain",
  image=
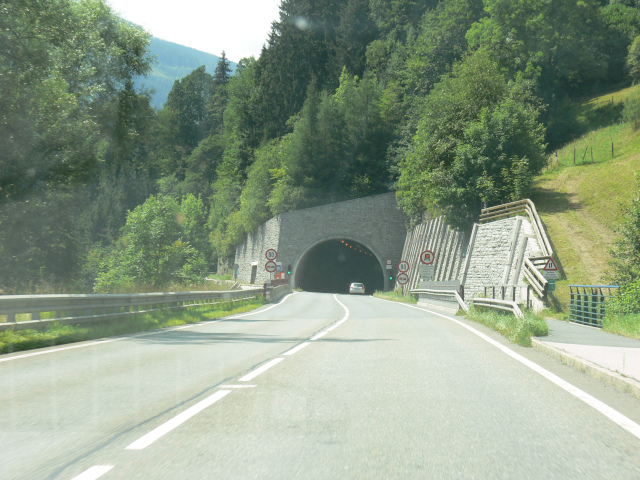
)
(173, 63)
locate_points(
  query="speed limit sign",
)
(271, 254)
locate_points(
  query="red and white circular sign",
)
(271, 254)
(427, 257)
(270, 266)
(403, 266)
(402, 278)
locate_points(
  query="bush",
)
(514, 329)
(631, 110)
(151, 251)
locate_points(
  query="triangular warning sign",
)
(551, 265)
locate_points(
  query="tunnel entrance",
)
(333, 265)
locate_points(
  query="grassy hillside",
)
(581, 204)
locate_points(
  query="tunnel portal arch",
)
(331, 264)
(374, 223)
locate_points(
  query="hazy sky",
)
(239, 27)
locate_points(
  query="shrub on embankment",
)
(516, 330)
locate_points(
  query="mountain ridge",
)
(173, 62)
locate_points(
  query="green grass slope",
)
(581, 204)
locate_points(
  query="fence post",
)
(574, 155)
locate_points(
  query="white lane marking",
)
(265, 310)
(237, 386)
(612, 414)
(94, 472)
(176, 421)
(320, 335)
(337, 324)
(259, 370)
(297, 348)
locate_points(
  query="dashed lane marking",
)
(152, 436)
(94, 472)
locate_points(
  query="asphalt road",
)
(318, 386)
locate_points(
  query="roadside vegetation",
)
(589, 210)
(396, 296)
(514, 329)
(59, 334)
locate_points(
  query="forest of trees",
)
(452, 104)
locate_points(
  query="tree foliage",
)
(444, 101)
(478, 141)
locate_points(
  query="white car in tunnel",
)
(356, 288)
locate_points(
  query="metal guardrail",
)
(94, 307)
(507, 305)
(587, 303)
(452, 295)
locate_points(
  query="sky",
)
(239, 27)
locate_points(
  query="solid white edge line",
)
(259, 370)
(297, 348)
(623, 421)
(237, 386)
(155, 434)
(94, 472)
(320, 335)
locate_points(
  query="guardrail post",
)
(11, 318)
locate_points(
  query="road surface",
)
(317, 386)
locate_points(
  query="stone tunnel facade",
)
(374, 222)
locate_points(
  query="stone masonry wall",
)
(252, 252)
(497, 255)
(375, 222)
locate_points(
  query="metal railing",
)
(451, 295)
(587, 303)
(507, 305)
(92, 307)
(531, 265)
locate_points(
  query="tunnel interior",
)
(331, 266)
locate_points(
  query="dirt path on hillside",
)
(581, 242)
(577, 206)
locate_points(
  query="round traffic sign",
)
(271, 254)
(403, 266)
(402, 278)
(427, 257)
(270, 266)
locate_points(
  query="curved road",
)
(317, 386)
